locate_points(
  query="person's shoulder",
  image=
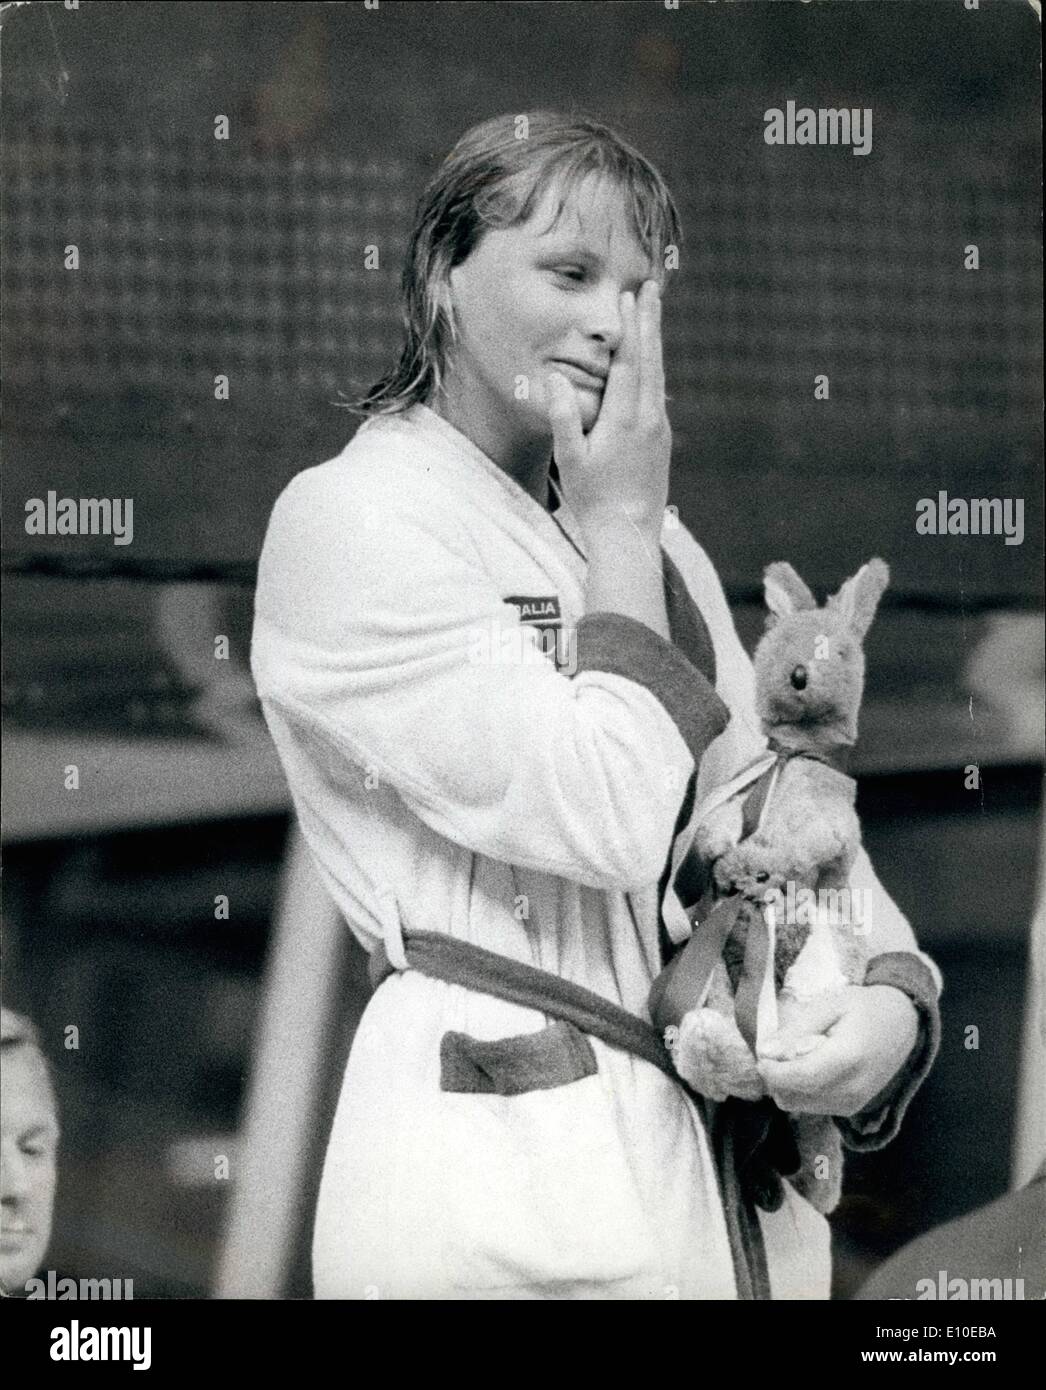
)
(378, 510)
(1006, 1236)
(380, 469)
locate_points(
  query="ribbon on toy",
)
(676, 916)
(755, 999)
(683, 985)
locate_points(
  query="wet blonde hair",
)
(493, 178)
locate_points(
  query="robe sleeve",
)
(379, 632)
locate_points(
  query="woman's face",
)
(535, 297)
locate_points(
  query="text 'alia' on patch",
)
(537, 610)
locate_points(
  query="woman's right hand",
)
(619, 470)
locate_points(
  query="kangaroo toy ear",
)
(859, 597)
(785, 591)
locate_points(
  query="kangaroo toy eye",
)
(798, 678)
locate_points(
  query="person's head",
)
(522, 244)
(28, 1151)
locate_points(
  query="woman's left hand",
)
(842, 1050)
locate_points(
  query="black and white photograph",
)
(523, 665)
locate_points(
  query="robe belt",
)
(443, 957)
(740, 1149)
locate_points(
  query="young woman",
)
(498, 689)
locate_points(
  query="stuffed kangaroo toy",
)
(771, 937)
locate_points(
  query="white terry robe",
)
(448, 777)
